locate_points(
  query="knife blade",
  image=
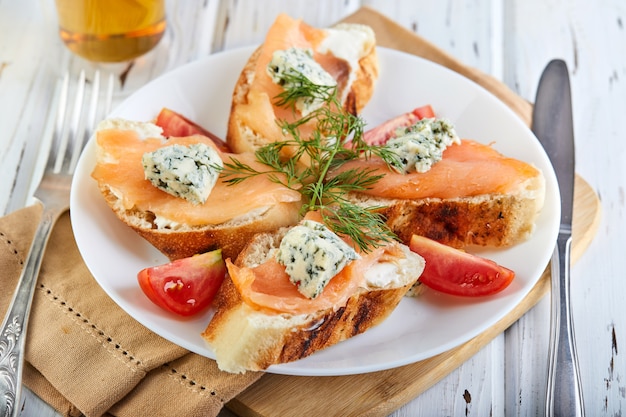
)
(553, 125)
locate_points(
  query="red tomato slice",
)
(380, 134)
(185, 286)
(176, 125)
(455, 272)
(424, 112)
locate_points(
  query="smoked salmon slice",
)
(259, 112)
(119, 167)
(467, 169)
(267, 286)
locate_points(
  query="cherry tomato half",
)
(380, 134)
(177, 125)
(185, 286)
(453, 271)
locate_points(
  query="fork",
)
(53, 193)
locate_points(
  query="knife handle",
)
(564, 396)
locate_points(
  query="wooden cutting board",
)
(380, 393)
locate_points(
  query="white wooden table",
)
(512, 40)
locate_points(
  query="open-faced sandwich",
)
(168, 190)
(456, 191)
(302, 289)
(341, 57)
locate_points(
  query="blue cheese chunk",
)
(312, 255)
(291, 63)
(421, 145)
(188, 172)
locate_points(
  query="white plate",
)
(419, 328)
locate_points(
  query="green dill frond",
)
(297, 87)
(352, 180)
(236, 171)
(392, 159)
(365, 227)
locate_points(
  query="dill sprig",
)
(298, 87)
(336, 139)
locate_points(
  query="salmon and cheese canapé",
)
(462, 194)
(340, 51)
(467, 169)
(438, 163)
(119, 168)
(269, 285)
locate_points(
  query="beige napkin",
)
(85, 355)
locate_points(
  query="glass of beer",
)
(111, 30)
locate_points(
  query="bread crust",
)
(246, 339)
(364, 83)
(500, 220)
(237, 137)
(297, 337)
(187, 241)
(495, 220)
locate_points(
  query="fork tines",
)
(74, 125)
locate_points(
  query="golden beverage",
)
(111, 30)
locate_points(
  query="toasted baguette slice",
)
(245, 338)
(175, 238)
(252, 123)
(183, 240)
(495, 220)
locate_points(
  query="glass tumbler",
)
(111, 30)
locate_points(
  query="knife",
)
(552, 124)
